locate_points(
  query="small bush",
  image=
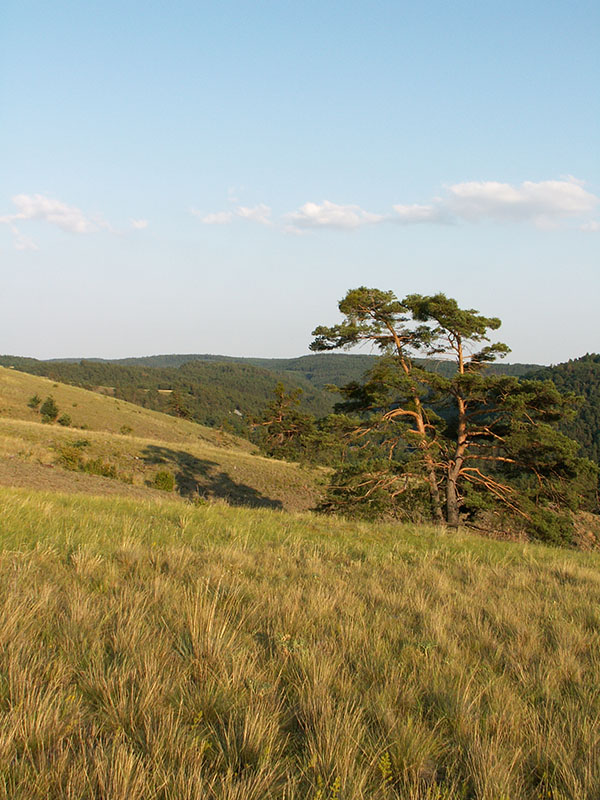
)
(165, 481)
(125, 429)
(551, 527)
(49, 410)
(34, 401)
(64, 420)
(96, 466)
(69, 458)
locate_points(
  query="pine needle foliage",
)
(474, 440)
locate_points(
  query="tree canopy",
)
(476, 440)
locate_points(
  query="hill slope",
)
(225, 391)
(115, 446)
(152, 651)
(210, 393)
(318, 369)
(582, 376)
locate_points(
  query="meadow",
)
(115, 447)
(153, 649)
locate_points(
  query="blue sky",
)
(213, 176)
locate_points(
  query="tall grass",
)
(159, 651)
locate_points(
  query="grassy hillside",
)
(152, 650)
(101, 413)
(210, 393)
(117, 447)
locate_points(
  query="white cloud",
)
(42, 208)
(260, 213)
(544, 203)
(139, 224)
(331, 215)
(67, 218)
(593, 226)
(408, 215)
(217, 218)
(23, 243)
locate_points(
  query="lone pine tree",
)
(478, 441)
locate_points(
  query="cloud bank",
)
(331, 215)
(545, 204)
(65, 217)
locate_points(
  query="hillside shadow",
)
(198, 477)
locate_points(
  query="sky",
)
(212, 177)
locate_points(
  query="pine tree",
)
(479, 440)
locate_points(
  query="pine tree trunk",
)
(452, 497)
(452, 501)
(434, 493)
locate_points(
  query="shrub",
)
(64, 420)
(96, 466)
(49, 410)
(69, 457)
(34, 401)
(164, 480)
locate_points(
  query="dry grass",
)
(100, 413)
(154, 650)
(200, 469)
(206, 463)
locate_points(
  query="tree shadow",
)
(200, 478)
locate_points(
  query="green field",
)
(151, 649)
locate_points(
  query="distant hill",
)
(582, 376)
(209, 392)
(320, 369)
(216, 390)
(113, 447)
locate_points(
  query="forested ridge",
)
(210, 388)
(582, 376)
(214, 394)
(319, 369)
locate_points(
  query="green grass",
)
(157, 650)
